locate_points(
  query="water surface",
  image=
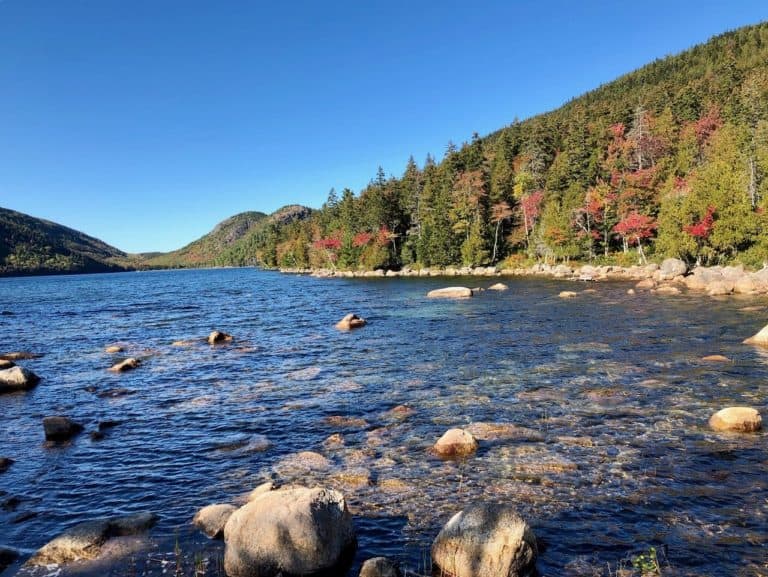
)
(611, 456)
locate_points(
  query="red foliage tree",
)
(702, 229)
(634, 228)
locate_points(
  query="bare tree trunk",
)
(495, 241)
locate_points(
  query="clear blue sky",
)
(145, 122)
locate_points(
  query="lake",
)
(611, 454)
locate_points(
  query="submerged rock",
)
(217, 337)
(211, 519)
(349, 322)
(294, 531)
(125, 365)
(111, 349)
(455, 443)
(380, 567)
(60, 428)
(716, 359)
(450, 293)
(499, 286)
(20, 356)
(85, 541)
(760, 338)
(736, 419)
(5, 464)
(7, 558)
(567, 294)
(485, 540)
(17, 379)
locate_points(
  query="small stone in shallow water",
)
(455, 443)
(499, 286)
(346, 422)
(5, 464)
(113, 349)
(217, 337)
(349, 322)
(716, 359)
(125, 365)
(567, 294)
(736, 419)
(380, 567)
(60, 428)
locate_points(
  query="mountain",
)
(32, 246)
(668, 160)
(232, 242)
(206, 250)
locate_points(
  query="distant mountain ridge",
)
(35, 246)
(30, 245)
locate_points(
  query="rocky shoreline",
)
(672, 276)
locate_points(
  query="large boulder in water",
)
(212, 519)
(455, 443)
(17, 379)
(736, 419)
(454, 292)
(485, 540)
(671, 268)
(86, 540)
(290, 531)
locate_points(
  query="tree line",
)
(670, 160)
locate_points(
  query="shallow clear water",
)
(612, 454)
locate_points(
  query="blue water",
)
(614, 456)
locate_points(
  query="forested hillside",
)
(237, 241)
(31, 245)
(670, 160)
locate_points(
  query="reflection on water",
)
(591, 411)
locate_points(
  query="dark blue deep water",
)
(613, 454)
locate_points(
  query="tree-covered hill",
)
(31, 245)
(236, 241)
(669, 160)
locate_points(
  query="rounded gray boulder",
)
(289, 531)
